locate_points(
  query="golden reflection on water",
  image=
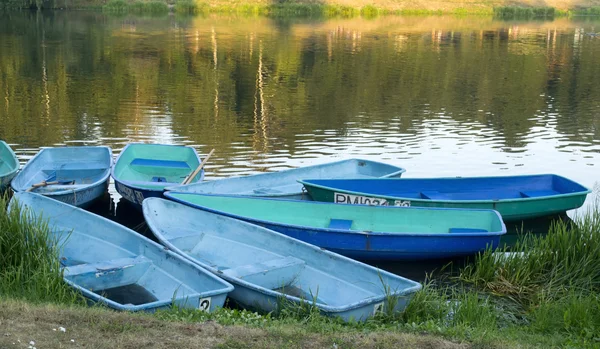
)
(437, 95)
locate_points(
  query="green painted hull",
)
(510, 211)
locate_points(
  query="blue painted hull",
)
(263, 264)
(515, 197)
(83, 172)
(284, 185)
(115, 266)
(388, 247)
(396, 241)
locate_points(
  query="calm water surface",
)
(439, 96)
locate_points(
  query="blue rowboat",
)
(361, 231)
(143, 170)
(9, 165)
(115, 266)
(268, 268)
(515, 197)
(284, 185)
(74, 175)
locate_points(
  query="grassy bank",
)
(547, 297)
(523, 9)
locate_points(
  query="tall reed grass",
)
(568, 257)
(29, 257)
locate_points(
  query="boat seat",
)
(538, 193)
(104, 266)
(270, 274)
(344, 224)
(108, 274)
(466, 230)
(159, 163)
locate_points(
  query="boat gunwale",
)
(13, 172)
(136, 184)
(227, 287)
(399, 171)
(416, 286)
(103, 179)
(347, 231)
(586, 190)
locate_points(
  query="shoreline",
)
(335, 8)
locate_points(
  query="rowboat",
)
(9, 165)
(361, 231)
(284, 185)
(269, 269)
(117, 267)
(143, 170)
(515, 197)
(74, 175)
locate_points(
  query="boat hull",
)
(511, 209)
(9, 165)
(261, 264)
(83, 172)
(115, 266)
(284, 185)
(372, 233)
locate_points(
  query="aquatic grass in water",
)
(29, 258)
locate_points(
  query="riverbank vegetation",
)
(542, 292)
(499, 9)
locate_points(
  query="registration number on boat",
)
(341, 198)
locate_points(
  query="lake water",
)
(440, 96)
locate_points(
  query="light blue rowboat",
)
(267, 268)
(284, 184)
(113, 265)
(9, 165)
(74, 175)
(143, 170)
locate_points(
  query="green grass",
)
(590, 11)
(518, 12)
(123, 6)
(187, 6)
(29, 260)
(546, 297)
(568, 257)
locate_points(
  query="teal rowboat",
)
(515, 197)
(364, 232)
(144, 170)
(9, 165)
